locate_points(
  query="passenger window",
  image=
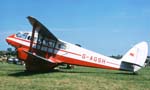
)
(35, 39)
(51, 43)
(39, 40)
(62, 46)
(44, 42)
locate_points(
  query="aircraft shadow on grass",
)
(109, 73)
(27, 73)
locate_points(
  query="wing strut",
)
(32, 37)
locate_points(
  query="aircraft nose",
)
(12, 41)
(7, 40)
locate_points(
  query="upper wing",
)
(44, 35)
(40, 28)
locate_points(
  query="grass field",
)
(13, 77)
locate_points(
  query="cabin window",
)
(45, 42)
(35, 39)
(51, 43)
(62, 46)
(39, 41)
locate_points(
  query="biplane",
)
(42, 51)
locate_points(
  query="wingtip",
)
(29, 17)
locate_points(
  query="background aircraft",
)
(42, 51)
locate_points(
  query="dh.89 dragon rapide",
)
(42, 51)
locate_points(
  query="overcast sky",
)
(110, 27)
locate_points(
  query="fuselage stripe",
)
(27, 41)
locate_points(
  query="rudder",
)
(135, 58)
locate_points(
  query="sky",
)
(109, 27)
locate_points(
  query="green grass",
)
(13, 77)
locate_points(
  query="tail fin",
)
(135, 58)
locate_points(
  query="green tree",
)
(9, 49)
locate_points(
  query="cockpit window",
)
(29, 38)
(22, 35)
(18, 34)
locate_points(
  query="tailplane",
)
(135, 58)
